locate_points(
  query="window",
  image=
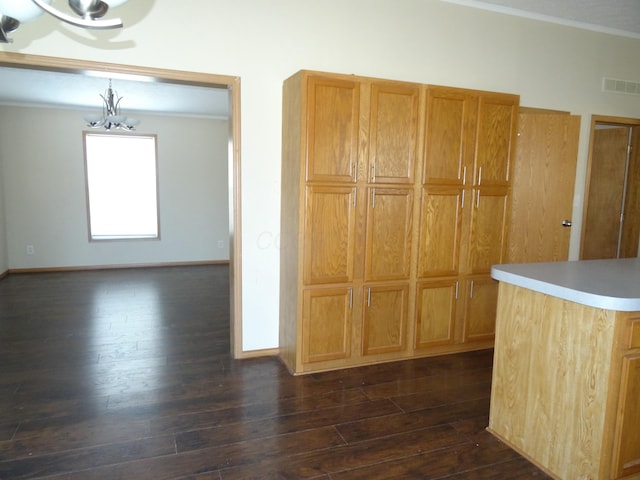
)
(121, 186)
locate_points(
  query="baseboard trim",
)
(81, 268)
(266, 352)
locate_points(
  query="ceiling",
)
(619, 17)
(39, 88)
(20, 86)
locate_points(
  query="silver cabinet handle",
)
(566, 223)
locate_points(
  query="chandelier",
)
(15, 12)
(111, 117)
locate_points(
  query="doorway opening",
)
(611, 218)
(232, 86)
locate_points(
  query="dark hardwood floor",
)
(126, 374)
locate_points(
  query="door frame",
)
(598, 120)
(230, 83)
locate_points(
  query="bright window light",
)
(121, 186)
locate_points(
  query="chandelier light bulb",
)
(21, 10)
(114, 3)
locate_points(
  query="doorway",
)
(232, 85)
(611, 218)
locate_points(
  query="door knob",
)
(566, 223)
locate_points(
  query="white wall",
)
(45, 202)
(425, 41)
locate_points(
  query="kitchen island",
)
(566, 378)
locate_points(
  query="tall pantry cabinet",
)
(394, 203)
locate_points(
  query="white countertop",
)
(608, 284)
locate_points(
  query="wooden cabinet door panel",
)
(446, 136)
(388, 245)
(332, 129)
(326, 324)
(496, 128)
(393, 132)
(385, 319)
(329, 238)
(435, 313)
(627, 446)
(488, 229)
(440, 227)
(482, 302)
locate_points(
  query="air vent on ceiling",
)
(620, 86)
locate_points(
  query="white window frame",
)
(110, 212)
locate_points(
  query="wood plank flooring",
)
(126, 374)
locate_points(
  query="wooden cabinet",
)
(469, 137)
(326, 323)
(481, 304)
(440, 231)
(329, 234)
(388, 237)
(332, 129)
(628, 440)
(626, 456)
(385, 215)
(436, 312)
(385, 318)
(566, 383)
(496, 119)
(393, 133)
(488, 237)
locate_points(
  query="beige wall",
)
(426, 41)
(44, 191)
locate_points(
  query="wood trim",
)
(542, 111)
(68, 65)
(85, 268)
(267, 352)
(232, 83)
(235, 222)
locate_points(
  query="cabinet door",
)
(329, 237)
(627, 440)
(393, 132)
(440, 227)
(480, 313)
(496, 129)
(332, 129)
(388, 245)
(385, 319)
(326, 324)
(435, 313)
(448, 136)
(487, 245)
